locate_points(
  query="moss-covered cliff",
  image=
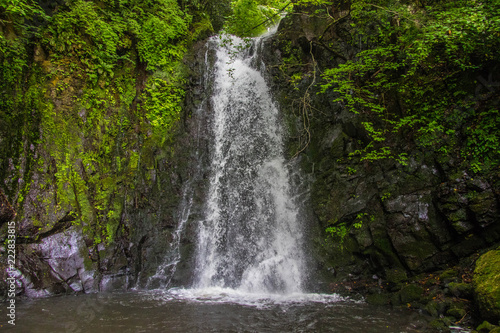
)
(90, 124)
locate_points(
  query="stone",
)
(60, 262)
(487, 285)
(432, 309)
(456, 313)
(485, 327)
(462, 290)
(438, 325)
(7, 213)
(448, 275)
(410, 293)
(378, 299)
(396, 275)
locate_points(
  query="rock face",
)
(135, 198)
(58, 263)
(487, 285)
(371, 217)
(7, 213)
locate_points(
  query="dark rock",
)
(462, 290)
(439, 325)
(7, 213)
(378, 299)
(60, 260)
(456, 313)
(396, 276)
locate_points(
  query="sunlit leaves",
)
(422, 60)
(252, 17)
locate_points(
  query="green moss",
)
(411, 293)
(456, 313)
(485, 327)
(378, 299)
(449, 275)
(462, 290)
(459, 215)
(487, 285)
(439, 325)
(396, 275)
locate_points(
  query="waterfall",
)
(250, 236)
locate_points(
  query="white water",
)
(250, 239)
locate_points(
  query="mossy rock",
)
(396, 275)
(433, 309)
(463, 290)
(395, 299)
(439, 325)
(378, 299)
(411, 293)
(437, 308)
(486, 327)
(456, 313)
(448, 275)
(487, 285)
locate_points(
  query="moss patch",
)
(487, 285)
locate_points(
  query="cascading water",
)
(250, 237)
(250, 262)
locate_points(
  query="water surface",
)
(211, 310)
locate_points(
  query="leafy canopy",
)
(253, 17)
(423, 71)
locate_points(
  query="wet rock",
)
(56, 265)
(437, 307)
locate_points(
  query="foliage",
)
(98, 36)
(211, 13)
(162, 106)
(21, 13)
(253, 17)
(18, 103)
(340, 230)
(106, 87)
(412, 77)
(158, 35)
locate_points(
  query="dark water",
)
(170, 312)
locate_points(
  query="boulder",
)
(487, 285)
